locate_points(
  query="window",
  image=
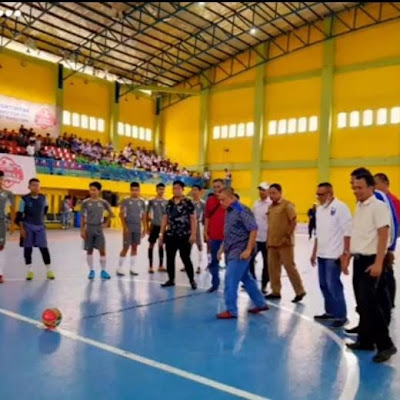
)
(282, 126)
(292, 125)
(250, 129)
(224, 131)
(272, 127)
(241, 130)
(302, 125)
(135, 132)
(342, 120)
(128, 130)
(395, 115)
(216, 132)
(75, 120)
(141, 133)
(100, 125)
(381, 116)
(148, 135)
(354, 119)
(66, 118)
(367, 117)
(120, 128)
(232, 131)
(84, 122)
(313, 124)
(92, 123)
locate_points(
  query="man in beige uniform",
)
(280, 243)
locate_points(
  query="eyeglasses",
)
(321, 194)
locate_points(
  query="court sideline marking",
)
(142, 360)
(350, 387)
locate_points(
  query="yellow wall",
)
(182, 131)
(225, 109)
(25, 78)
(90, 96)
(139, 111)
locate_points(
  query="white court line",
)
(350, 387)
(142, 360)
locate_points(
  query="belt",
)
(358, 256)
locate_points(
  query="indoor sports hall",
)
(237, 134)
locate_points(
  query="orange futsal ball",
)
(51, 317)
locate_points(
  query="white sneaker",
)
(133, 272)
(120, 272)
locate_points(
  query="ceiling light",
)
(1, 13)
(8, 13)
(17, 13)
(202, 3)
(253, 31)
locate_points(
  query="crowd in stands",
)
(71, 148)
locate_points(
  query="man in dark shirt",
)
(179, 226)
(239, 244)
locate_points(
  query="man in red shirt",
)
(382, 183)
(214, 231)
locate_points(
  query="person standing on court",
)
(331, 251)
(134, 225)
(156, 208)
(214, 231)
(199, 206)
(179, 228)
(382, 184)
(260, 210)
(312, 212)
(370, 240)
(239, 243)
(281, 226)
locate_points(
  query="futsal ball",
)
(51, 317)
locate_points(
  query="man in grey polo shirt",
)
(369, 244)
(154, 216)
(133, 218)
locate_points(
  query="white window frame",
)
(272, 127)
(66, 117)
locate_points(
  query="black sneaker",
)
(193, 284)
(324, 317)
(298, 298)
(211, 290)
(360, 346)
(168, 284)
(272, 296)
(352, 331)
(339, 323)
(384, 355)
(264, 290)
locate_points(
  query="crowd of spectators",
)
(70, 147)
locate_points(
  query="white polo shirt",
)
(333, 224)
(370, 216)
(260, 210)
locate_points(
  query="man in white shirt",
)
(370, 241)
(30, 149)
(260, 210)
(332, 247)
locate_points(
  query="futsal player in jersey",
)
(156, 209)
(32, 210)
(6, 197)
(93, 223)
(133, 218)
(199, 207)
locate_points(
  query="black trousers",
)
(173, 244)
(386, 288)
(260, 247)
(372, 304)
(311, 227)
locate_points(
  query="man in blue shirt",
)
(238, 245)
(32, 210)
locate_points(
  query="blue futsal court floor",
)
(130, 339)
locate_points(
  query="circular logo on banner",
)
(45, 119)
(13, 173)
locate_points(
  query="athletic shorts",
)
(35, 236)
(94, 238)
(133, 237)
(3, 233)
(154, 234)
